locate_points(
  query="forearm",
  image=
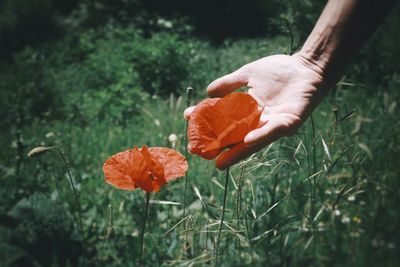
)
(342, 29)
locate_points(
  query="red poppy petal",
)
(197, 131)
(227, 137)
(200, 132)
(175, 165)
(214, 125)
(156, 168)
(217, 120)
(237, 105)
(141, 173)
(120, 170)
(155, 177)
(236, 132)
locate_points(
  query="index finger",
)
(227, 84)
(188, 111)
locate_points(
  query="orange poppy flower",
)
(217, 123)
(145, 168)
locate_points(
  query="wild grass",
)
(327, 196)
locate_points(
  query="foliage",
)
(327, 196)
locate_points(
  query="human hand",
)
(287, 87)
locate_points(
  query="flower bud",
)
(37, 151)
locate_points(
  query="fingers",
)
(274, 127)
(265, 134)
(222, 86)
(235, 154)
(227, 84)
(187, 112)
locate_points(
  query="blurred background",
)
(95, 77)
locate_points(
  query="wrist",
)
(320, 62)
(312, 62)
(323, 81)
(322, 51)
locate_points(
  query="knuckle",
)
(222, 81)
(242, 73)
(245, 68)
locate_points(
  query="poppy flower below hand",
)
(145, 168)
(217, 123)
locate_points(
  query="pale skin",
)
(291, 87)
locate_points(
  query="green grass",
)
(327, 196)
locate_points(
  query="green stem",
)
(146, 212)
(314, 186)
(223, 214)
(313, 183)
(239, 203)
(314, 148)
(189, 92)
(78, 205)
(186, 174)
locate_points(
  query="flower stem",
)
(239, 205)
(144, 225)
(189, 92)
(222, 215)
(78, 205)
(186, 174)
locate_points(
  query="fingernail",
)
(186, 114)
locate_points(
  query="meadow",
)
(328, 196)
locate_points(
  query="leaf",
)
(366, 149)
(164, 202)
(326, 150)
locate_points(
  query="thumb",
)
(227, 84)
(275, 127)
(235, 154)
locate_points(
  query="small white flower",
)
(164, 23)
(345, 219)
(14, 144)
(135, 233)
(49, 134)
(172, 138)
(328, 192)
(351, 198)
(168, 24)
(336, 212)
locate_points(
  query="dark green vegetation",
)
(95, 78)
